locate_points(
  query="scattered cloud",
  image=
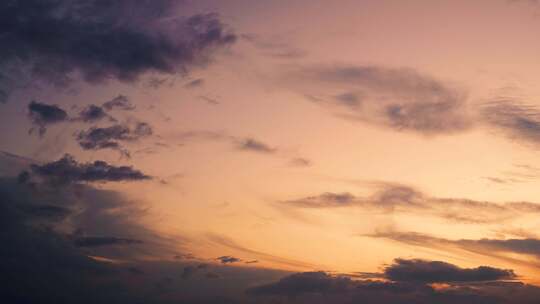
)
(92, 113)
(397, 98)
(391, 198)
(488, 247)
(251, 144)
(199, 82)
(120, 102)
(43, 114)
(518, 121)
(300, 162)
(227, 259)
(96, 138)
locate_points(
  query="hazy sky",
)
(378, 142)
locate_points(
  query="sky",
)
(269, 151)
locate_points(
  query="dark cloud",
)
(226, 259)
(305, 282)
(68, 170)
(97, 241)
(120, 102)
(397, 98)
(441, 272)
(48, 212)
(97, 138)
(92, 113)
(518, 121)
(43, 114)
(251, 144)
(188, 272)
(55, 40)
(40, 253)
(400, 198)
(404, 281)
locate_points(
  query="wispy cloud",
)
(395, 198)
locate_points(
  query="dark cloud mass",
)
(77, 260)
(103, 39)
(441, 272)
(404, 281)
(43, 114)
(68, 170)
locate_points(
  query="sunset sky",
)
(270, 151)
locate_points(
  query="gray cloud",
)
(43, 114)
(194, 83)
(92, 113)
(251, 144)
(517, 121)
(55, 39)
(397, 98)
(120, 102)
(96, 138)
(68, 170)
(488, 247)
(227, 259)
(401, 198)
